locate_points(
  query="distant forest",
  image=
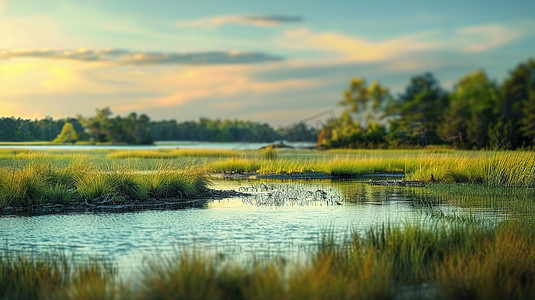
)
(103, 127)
(477, 114)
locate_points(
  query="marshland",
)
(194, 223)
(267, 149)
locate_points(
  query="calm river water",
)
(157, 145)
(234, 226)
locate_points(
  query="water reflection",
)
(157, 145)
(302, 194)
(234, 226)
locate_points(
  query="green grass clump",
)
(38, 184)
(493, 168)
(502, 168)
(173, 153)
(35, 184)
(56, 277)
(120, 185)
(170, 184)
(235, 165)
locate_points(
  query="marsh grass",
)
(449, 260)
(173, 153)
(510, 202)
(270, 153)
(33, 177)
(493, 168)
(503, 168)
(56, 277)
(39, 183)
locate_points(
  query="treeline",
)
(230, 131)
(25, 130)
(103, 127)
(478, 113)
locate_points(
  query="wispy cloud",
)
(486, 37)
(224, 83)
(261, 21)
(127, 57)
(357, 49)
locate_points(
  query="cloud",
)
(486, 37)
(357, 49)
(46, 77)
(223, 83)
(127, 57)
(344, 48)
(261, 21)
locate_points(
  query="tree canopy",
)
(67, 134)
(104, 127)
(478, 113)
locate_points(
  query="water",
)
(233, 227)
(157, 145)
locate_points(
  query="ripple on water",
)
(230, 226)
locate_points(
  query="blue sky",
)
(269, 61)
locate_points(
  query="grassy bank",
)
(510, 169)
(56, 176)
(38, 183)
(174, 153)
(444, 260)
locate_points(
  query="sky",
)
(273, 61)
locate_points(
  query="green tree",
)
(98, 125)
(368, 105)
(418, 110)
(518, 104)
(67, 134)
(471, 113)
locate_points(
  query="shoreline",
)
(83, 206)
(297, 176)
(108, 204)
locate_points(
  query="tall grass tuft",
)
(56, 277)
(38, 184)
(270, 153)
(502, 267)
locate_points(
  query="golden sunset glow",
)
(190, 63)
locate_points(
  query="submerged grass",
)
(510, 202)
(449, 260)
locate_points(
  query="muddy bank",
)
(108, 204)
(303, 176)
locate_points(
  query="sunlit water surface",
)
(157, 145)
(230, 227)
